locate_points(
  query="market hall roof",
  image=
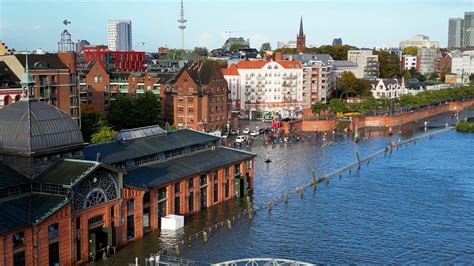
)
(117, 151)
(161, 173)
(10, 178)
(27, 210)
(29, 127)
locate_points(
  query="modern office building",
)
(114, 61)
(367, 63)
(456, 33)
(469, 30)
(427, 58)
(120, 35)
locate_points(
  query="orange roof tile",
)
(231, 71)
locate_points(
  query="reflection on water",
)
(414, 206)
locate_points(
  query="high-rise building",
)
(469, 29)
(120, 35)
(456, 33)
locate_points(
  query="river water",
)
(416, 205)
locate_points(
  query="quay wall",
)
(377, 121)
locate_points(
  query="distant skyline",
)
(33, 24)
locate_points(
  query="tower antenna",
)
(181, 21)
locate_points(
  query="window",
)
(190, 183)
(177, 203)
(237, 169)
(176, 188)
(53, 250)
(191, 202)
(130, 205)
(130, 227)
(18, 240)
(249, 165)
(227, 171)
(227, 188)
(162, 194)
(53, 231)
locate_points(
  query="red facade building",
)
(114, 61)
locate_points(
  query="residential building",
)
(427, 58)
(241, 42)
(4, 50)
(114, 61)
(410, 62)
(341, 66)
(393, 50)
(468, 30)
(10, 88)
(319, 78)
(443, 62)
(367, 63)
(420, 41)
(337, 41)
(387, 88)
(267, 89)
(456, 33)
(232, 77)
(120, 35)
(67, 202)
(300, 39)
(289, 44)
(463, 64)
(54, 76)
(414, 86)
(200, 97)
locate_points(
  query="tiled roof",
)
(200, 71)
(41, 61)
(231, 71)
(172, 170)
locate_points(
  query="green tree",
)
(434, 76)
(201, 51)
(389, 64)
(337, 105)
(105, 134)
(91, 120)
(121, 113)
(318, 107)
(147, 110)
(471, 79)
(352, 86)
(410, 50)
(234, 48)
(406, 75)
(265, 47)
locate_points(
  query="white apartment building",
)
(266, 88)
(387, 88)
(420, 41)
(367, 63)
(120, 35)
(341, 66)
(409, 62)
(462, 64)
(427, 58)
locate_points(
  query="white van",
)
(240, 139)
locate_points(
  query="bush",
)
(464, 127)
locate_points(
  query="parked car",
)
(216, 133)
(233, 132)
(254, 133)
(240, 139)
(225, 136)
(246, 131)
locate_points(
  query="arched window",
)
(7, 100)
(53, 231)
(17, 98)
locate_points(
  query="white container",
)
(172, 222)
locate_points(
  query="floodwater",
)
(416, 205)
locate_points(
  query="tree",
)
(471, 79)
(318, 107)
(120, 113)
(90, 122)
(410, 50)
(406, 75)
(105, 134)
(352, 86)
(389, 64)
(201, 51)
(234, 48)
(434, 76)
(265, 47)
(337, 105)
(147, 110)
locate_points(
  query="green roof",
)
(158, 174)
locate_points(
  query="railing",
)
(262, 261)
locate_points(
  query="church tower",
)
(300, 39)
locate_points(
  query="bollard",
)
(269, 206)
(205, 236)
(314, 182)
(249, 208)
(358, 158)
(229, 225)
(340, 174)
(285, 198)
(350, 169)
(177, 250)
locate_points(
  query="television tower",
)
(181, 21)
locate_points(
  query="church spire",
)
(301, 27)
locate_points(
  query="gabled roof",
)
(172, 170)
(27, 210)
(200, 71)
(117, 151)
(165, 78)
(41, 61)
(67, 172)
(231, 71)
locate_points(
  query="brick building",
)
(66, 203)
(54, 76)
(200, 97)
(10, 88)
(114, 61)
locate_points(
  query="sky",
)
(32, 24)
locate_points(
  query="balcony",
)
(140, 91)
